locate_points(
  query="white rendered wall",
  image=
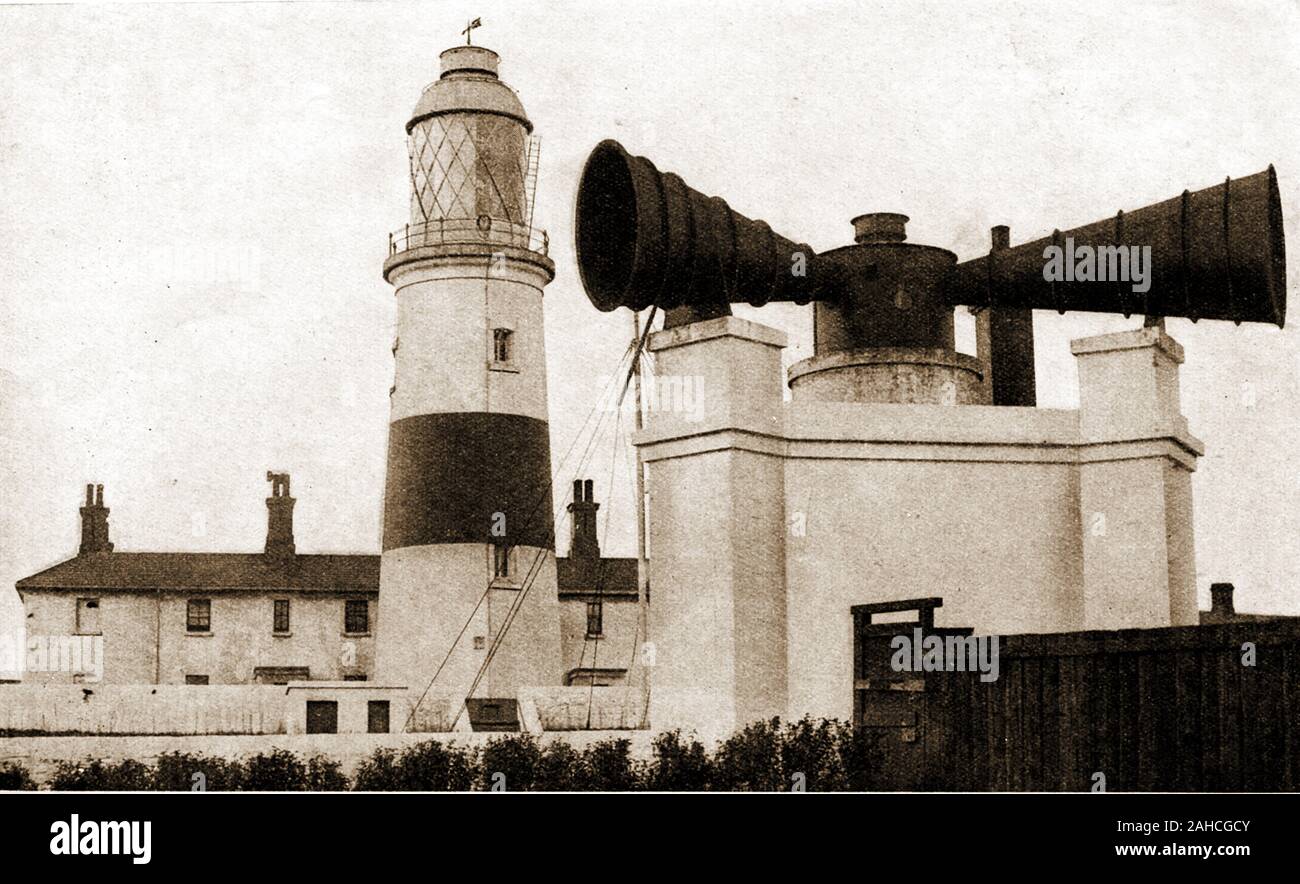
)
(814, 507)
(446, 311)
(449, 301)
(429, 592)
(242, 635)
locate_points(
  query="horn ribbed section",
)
(644, 237)
(1217, 253)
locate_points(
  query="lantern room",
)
(473, 160)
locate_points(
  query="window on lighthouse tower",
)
(502, 345)
(500, 561)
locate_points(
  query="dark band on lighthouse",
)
(450, 474)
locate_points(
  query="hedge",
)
(14, 778)
(809, 755)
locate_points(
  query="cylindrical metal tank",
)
(899, 375)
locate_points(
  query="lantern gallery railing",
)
(453, 231)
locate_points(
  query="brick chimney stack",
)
(94, 522)
(1221, 599)
(583, 542)
(279, 516)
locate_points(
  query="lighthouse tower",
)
(467, 580)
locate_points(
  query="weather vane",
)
(476, 23)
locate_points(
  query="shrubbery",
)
(559, 769)
(101, 776)
(678, 765)
(433, 766)
(378, 773)
(325, 775)
(182, 772)
(512, 764)
(607, 766)
(278, 771)
(14, 778)
(750, 761)
(813, 755)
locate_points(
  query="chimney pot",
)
(279, 517)
(583, 542)
(94, 522)
(879, 227)
(1221, 598)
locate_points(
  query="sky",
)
(197, 198)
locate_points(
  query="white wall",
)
(620, 623)
(241, 639)
(143, 709)
(993, 509)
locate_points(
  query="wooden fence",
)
(1176, 709)
(99, 708)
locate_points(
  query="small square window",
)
(198, 615)
(502, 345)
(595, 618)
(322, 717)
(356, 616)
(280, 616)
(480, 642)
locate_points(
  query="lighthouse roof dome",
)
(469, 84)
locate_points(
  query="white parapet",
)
(1135, 490)
(768, 520)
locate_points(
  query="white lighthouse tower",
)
(468, 541)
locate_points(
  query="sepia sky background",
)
(196, 200)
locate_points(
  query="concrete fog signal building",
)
(770, 520)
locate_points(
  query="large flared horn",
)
(1216, 253)
(644, 237)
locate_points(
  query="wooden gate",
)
(1188, 708)
(895, 703)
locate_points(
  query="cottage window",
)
(280, 616)
(88, 617)
(356, 616)
(500, 560)
(198, 615)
